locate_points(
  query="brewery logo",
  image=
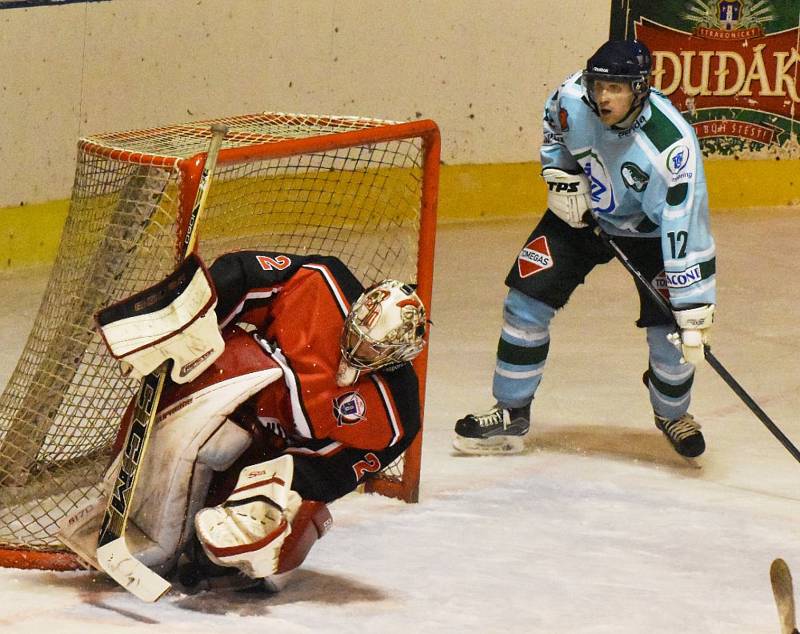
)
(731, 66)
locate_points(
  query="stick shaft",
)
(709, 357)
(112, 551)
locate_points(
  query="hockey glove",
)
(694, 324)
(568, 195)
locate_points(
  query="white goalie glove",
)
(694, 324)
(568, 195)
(174, 319)
(248, 530)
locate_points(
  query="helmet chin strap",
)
(630, 116)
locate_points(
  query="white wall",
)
(480, 69)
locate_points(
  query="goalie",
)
(286, 396)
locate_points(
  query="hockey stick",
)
(781, 580)
(113, 554)
(712, 360)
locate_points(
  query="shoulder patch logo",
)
(678, 158)
(534, 257)
(349, 409)
(563, 119)
(634, 177)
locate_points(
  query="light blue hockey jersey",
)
(646, 180)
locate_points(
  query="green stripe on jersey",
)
(659, 129)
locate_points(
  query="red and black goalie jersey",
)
(337, 435)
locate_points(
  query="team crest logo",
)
(349, 409)
(677, 158)
(634, 177)
(602, 194)
(729, 14)
(534, 257)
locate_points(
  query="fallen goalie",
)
(290, 385)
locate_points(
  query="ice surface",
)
(598, 528)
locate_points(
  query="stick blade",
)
(781, 579)
(119, 564)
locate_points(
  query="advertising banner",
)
(731, 66)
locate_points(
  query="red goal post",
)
(362, 189)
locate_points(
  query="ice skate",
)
(500, 431)
(684, 434)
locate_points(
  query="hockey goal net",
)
(364, 190)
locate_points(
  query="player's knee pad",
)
(523, 312)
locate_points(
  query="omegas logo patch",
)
(534, 257)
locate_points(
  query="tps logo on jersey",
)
(634, 177)
(534, 257)
(678, 158)
(349, 409)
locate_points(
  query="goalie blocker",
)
(172, 320)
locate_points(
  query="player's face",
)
(613, 99)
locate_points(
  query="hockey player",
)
(303, 391)
(615, 148)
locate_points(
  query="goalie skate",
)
(500, 431)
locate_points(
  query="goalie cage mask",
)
(623, 61)
(386, 325)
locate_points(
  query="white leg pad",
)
(249, 528)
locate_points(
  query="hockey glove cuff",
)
(567, 195)
(694, 324)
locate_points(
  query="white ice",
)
(598, 528)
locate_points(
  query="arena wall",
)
(481, 70)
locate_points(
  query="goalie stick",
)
(781, 580)
(113, 554)
(712, 360)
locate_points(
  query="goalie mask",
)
(386, 325)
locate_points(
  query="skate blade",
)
(496, 445)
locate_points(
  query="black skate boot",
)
(500, 431)
(684, 434)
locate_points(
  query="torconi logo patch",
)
(602, 193)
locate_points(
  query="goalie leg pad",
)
(312, 521)
(191, 439)
(249, 529)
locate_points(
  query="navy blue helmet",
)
(620, 61)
